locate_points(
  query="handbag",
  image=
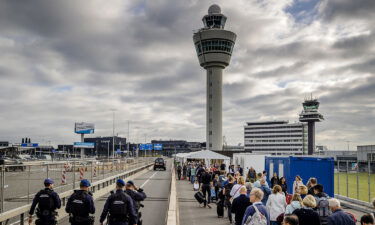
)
(231, 199)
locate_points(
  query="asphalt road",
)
(156, 185)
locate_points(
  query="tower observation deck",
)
(310, 115)
(214, 47)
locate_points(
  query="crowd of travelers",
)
(254, 201)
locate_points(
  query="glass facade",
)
(214, 21)
(214, 45)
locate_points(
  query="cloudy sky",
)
(67, 61)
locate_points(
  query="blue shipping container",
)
(321, 168)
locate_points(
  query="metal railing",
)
(109, 173)
(355, 180)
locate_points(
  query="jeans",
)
(192, 179)
(229, 207)
(206, 188)
(274, 223)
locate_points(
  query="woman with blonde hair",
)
(302, 190)
(296, 203)
(306, 214)
(235, 191)
(297, 182)
(276, 204)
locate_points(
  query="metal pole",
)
(28, 186)
(92, 162)
(2, 188)
(347, 179)
(74, 174)
(113, 135)
(338, 176)
(369, 180)
(357, 179)
(47, 170)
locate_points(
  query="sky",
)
(69, 61)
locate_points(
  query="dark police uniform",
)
(120, 208)
(137, 197)
(48, 201)
(80, 205)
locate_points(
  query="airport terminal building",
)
(275, 137)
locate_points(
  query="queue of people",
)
(253, 201)
(121, 207)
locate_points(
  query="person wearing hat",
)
(138, 195)
(80, 205)
(48, 201)
(120, 207)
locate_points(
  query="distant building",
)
(366, 153)
(4, 143)
(104, 145)
(171, 147)
(276, 137)
(342, 155)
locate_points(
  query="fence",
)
(19, 183)
(355, 180)
(98, 188)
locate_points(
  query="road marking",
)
(148, 180)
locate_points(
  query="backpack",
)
(257, 219)
(46, 201)
(78, 206)
(322, 207)
(117, 207)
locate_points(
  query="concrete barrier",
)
(173, 213)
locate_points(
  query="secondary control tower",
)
(310, 115)
(214, 47)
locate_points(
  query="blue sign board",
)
(32, 145)
(145, 147)
(158, 147)
(84, 145)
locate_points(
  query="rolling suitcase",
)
(200, 197)
(220, 209)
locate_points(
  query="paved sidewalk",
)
(190, 213)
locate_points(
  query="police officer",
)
(137, 195)
(120, 207)
(48, 201)
(80, 205)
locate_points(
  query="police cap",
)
(85, 183)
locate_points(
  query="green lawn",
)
(358, 190)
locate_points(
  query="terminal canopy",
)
(205, 155)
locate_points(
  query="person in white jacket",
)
(297, 182)
(276, 204)
(296, 203)
(235, 191)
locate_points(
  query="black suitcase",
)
(220, 209)
(200, 197)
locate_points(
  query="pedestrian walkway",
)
(190, 212)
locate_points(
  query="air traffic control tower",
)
(310, 115)
(214, 47)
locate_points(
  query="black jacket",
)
(131, 212)
(307, 216)
(53, 195)
(239, 206)
(206, 178)
(88, 203)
